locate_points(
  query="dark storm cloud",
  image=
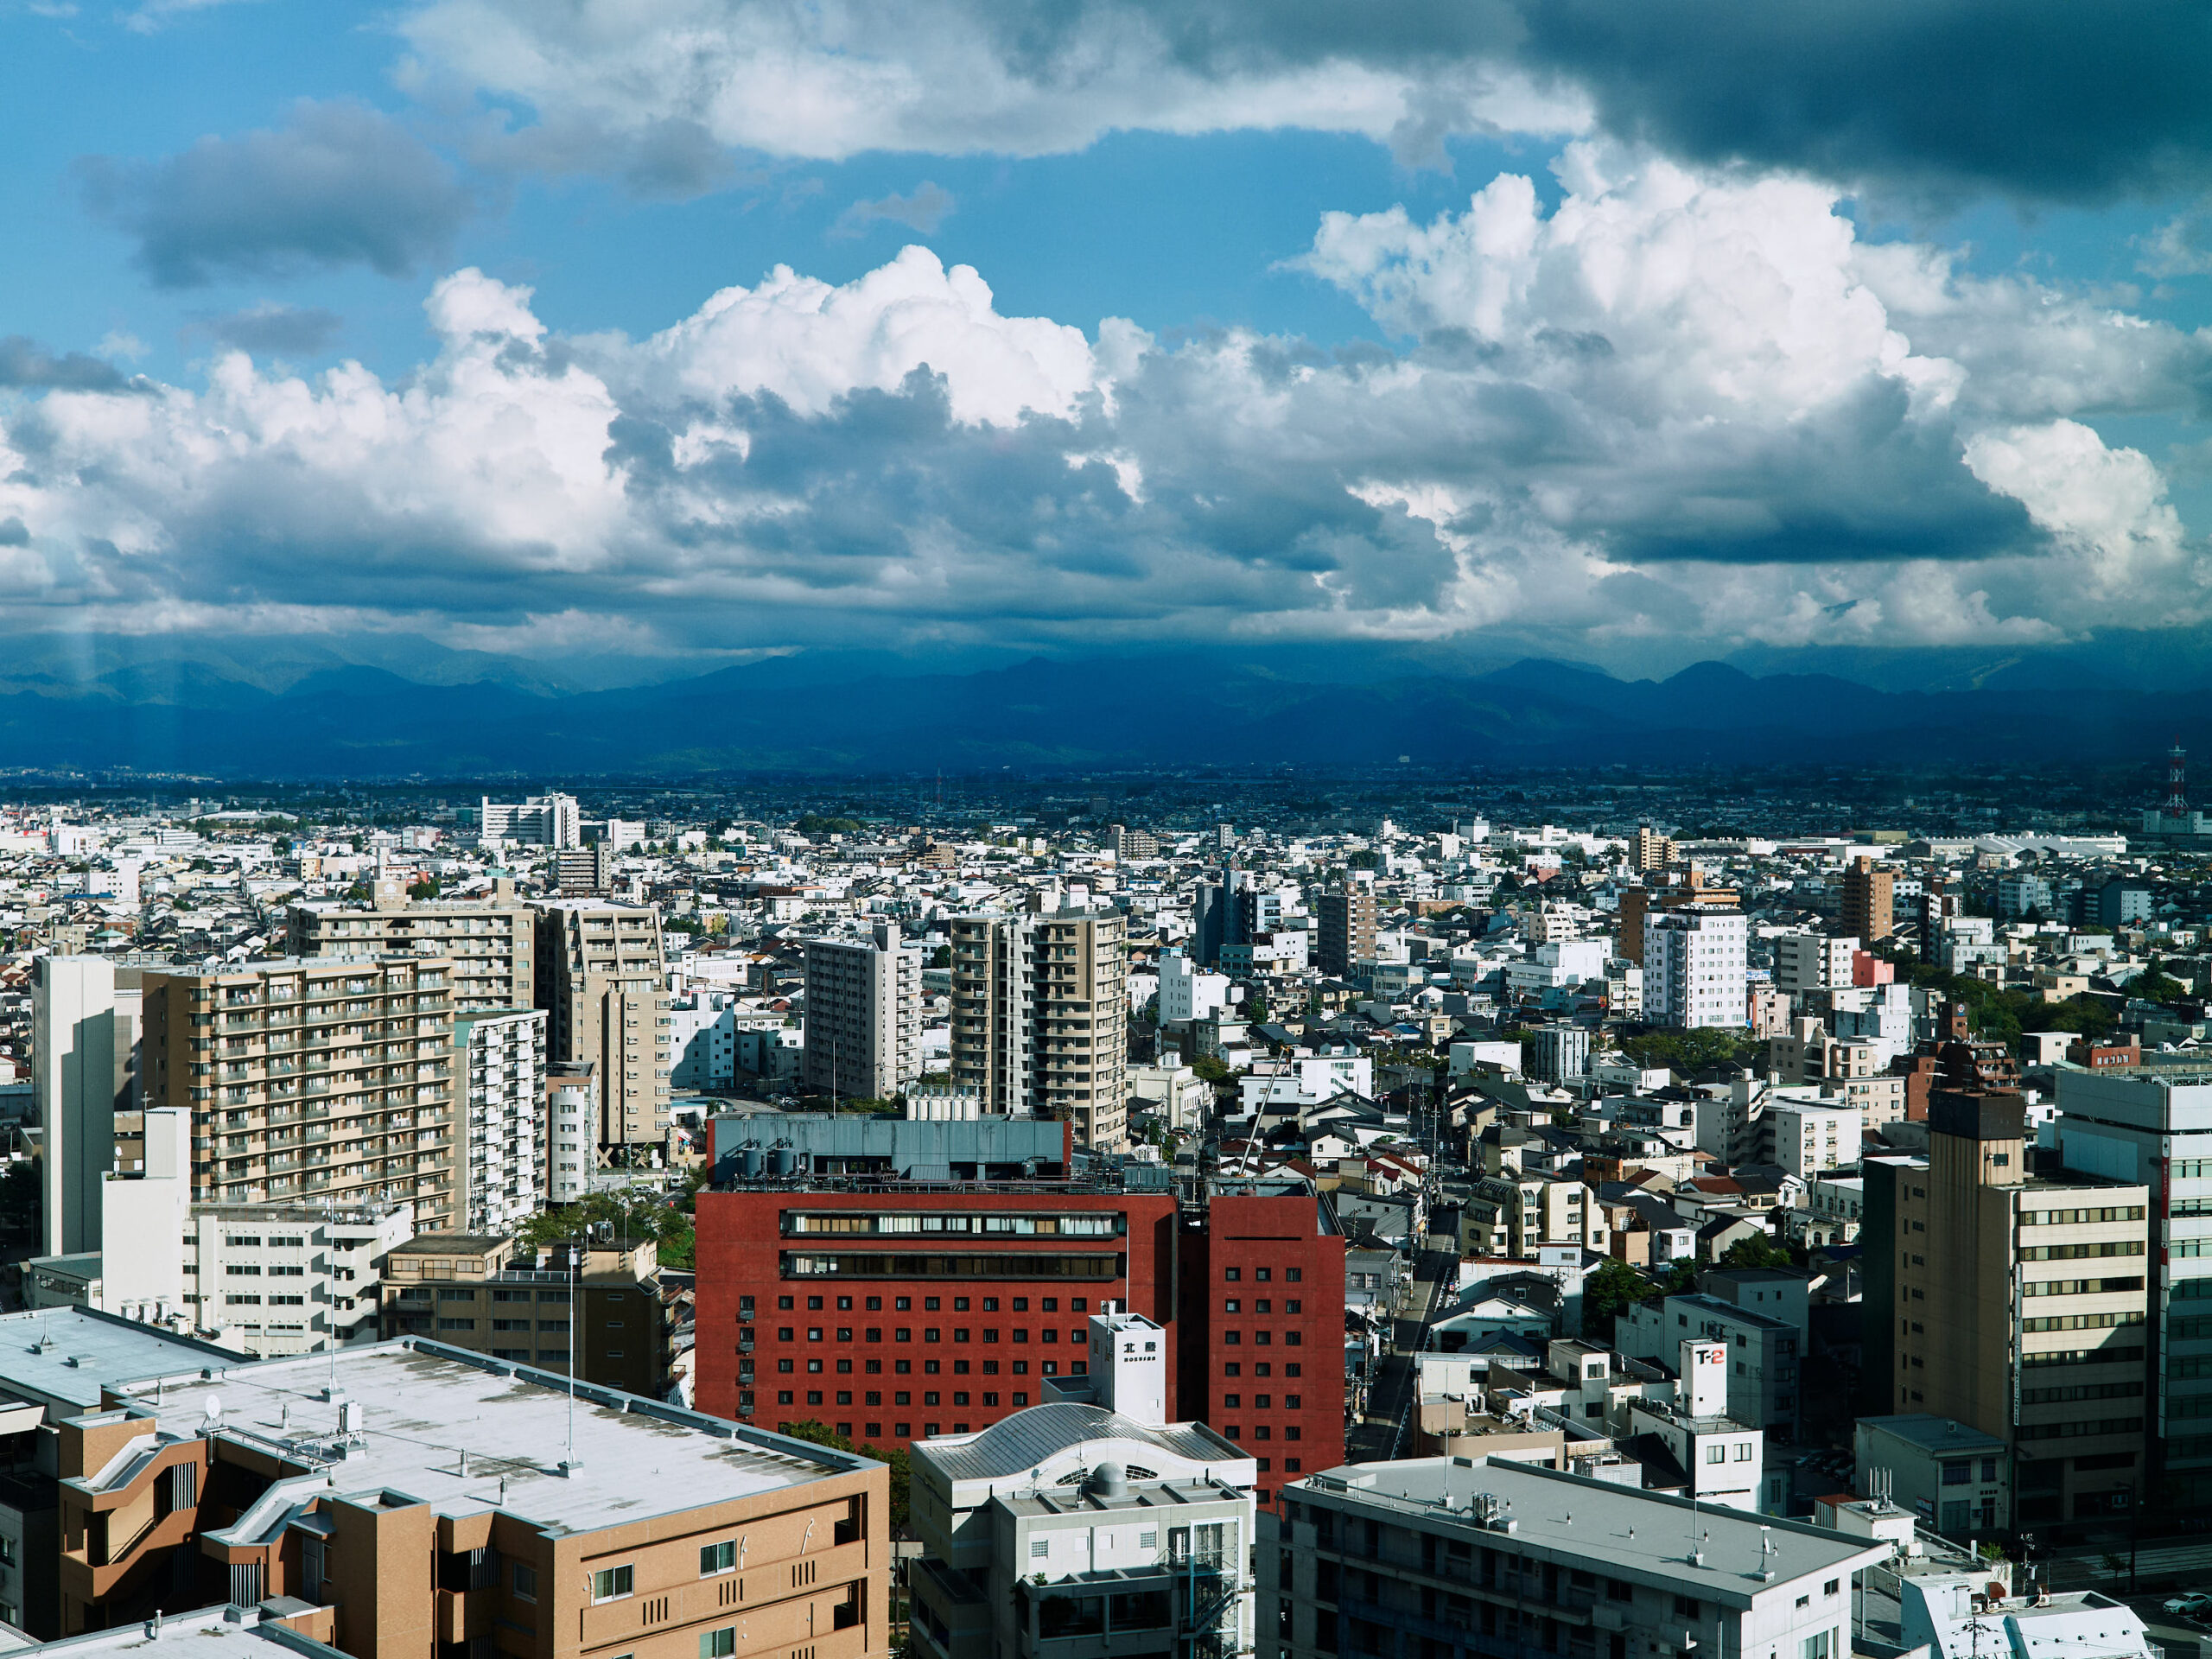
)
(341, 184)
(279, 330)
(2041, 98)
(25, 363)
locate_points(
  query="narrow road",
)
(1385, 1430)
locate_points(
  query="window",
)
(1816, 1646)
(1743, 1452)
(1715, 1453)
(717, 1558)
(611, 1583)
(718, 1644)
(1232, 1274)
(526, 1582)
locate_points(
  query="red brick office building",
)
(1261, 1307)
(895, 1315)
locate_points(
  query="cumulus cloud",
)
(340, 184)
(928, 207)
(1681, 404)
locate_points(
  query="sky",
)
(673, 332)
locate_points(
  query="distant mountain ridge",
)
(786, 713)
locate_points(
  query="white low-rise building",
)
(277, 1279)
(1456, 1553)
(1075, 1527)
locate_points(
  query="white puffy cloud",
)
(1680, 407)
(809, 343)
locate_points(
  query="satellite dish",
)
(214, 1411)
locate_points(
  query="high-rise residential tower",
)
(863, 1015)
(2018, 1305)
(490, 941)
(2157, 1130)
(74, 1081)
(331, 1077)
(1347, 929)
(1866, 900)
(1694, 967)
(602, 974)
(1040, 1015)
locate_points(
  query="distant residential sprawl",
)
(1583, 1214)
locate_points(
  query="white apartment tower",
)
(1812, 962)
(863, 1015)
(2157, 1130)
(504, 1166)
(73, 1081)
(540, 821)
(1693, 967)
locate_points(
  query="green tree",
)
(1256, 1007)
(425, 888)
(814, 1429)
(2154, 984)
(667, 1219)
(1755, 1252)
(1691, 1051)
(1613, 1287)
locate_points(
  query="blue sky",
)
(1505, 326)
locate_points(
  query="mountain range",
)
(832, 713)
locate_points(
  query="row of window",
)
(930, 1366)
(1079, 1226)
(898, 1397)
(2069, 1217)
(1001, 1268)
(2081, 1322)
(1232, 1305)
(929, 1304)
(2077, 1252)
(2078, 1287)
(1262, 1275)
(931, 1334)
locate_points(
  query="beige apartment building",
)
(436, 1504)
(492, 943)
(602, 973)
(330, 1078)
(470, 1293)
(1039, 1018)
(2020, 1308)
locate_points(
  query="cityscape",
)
(1093, 829)
(1368, 1172)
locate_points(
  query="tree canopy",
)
(666, 1218)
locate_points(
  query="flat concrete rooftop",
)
(1623, 1531)
(466, 1434)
